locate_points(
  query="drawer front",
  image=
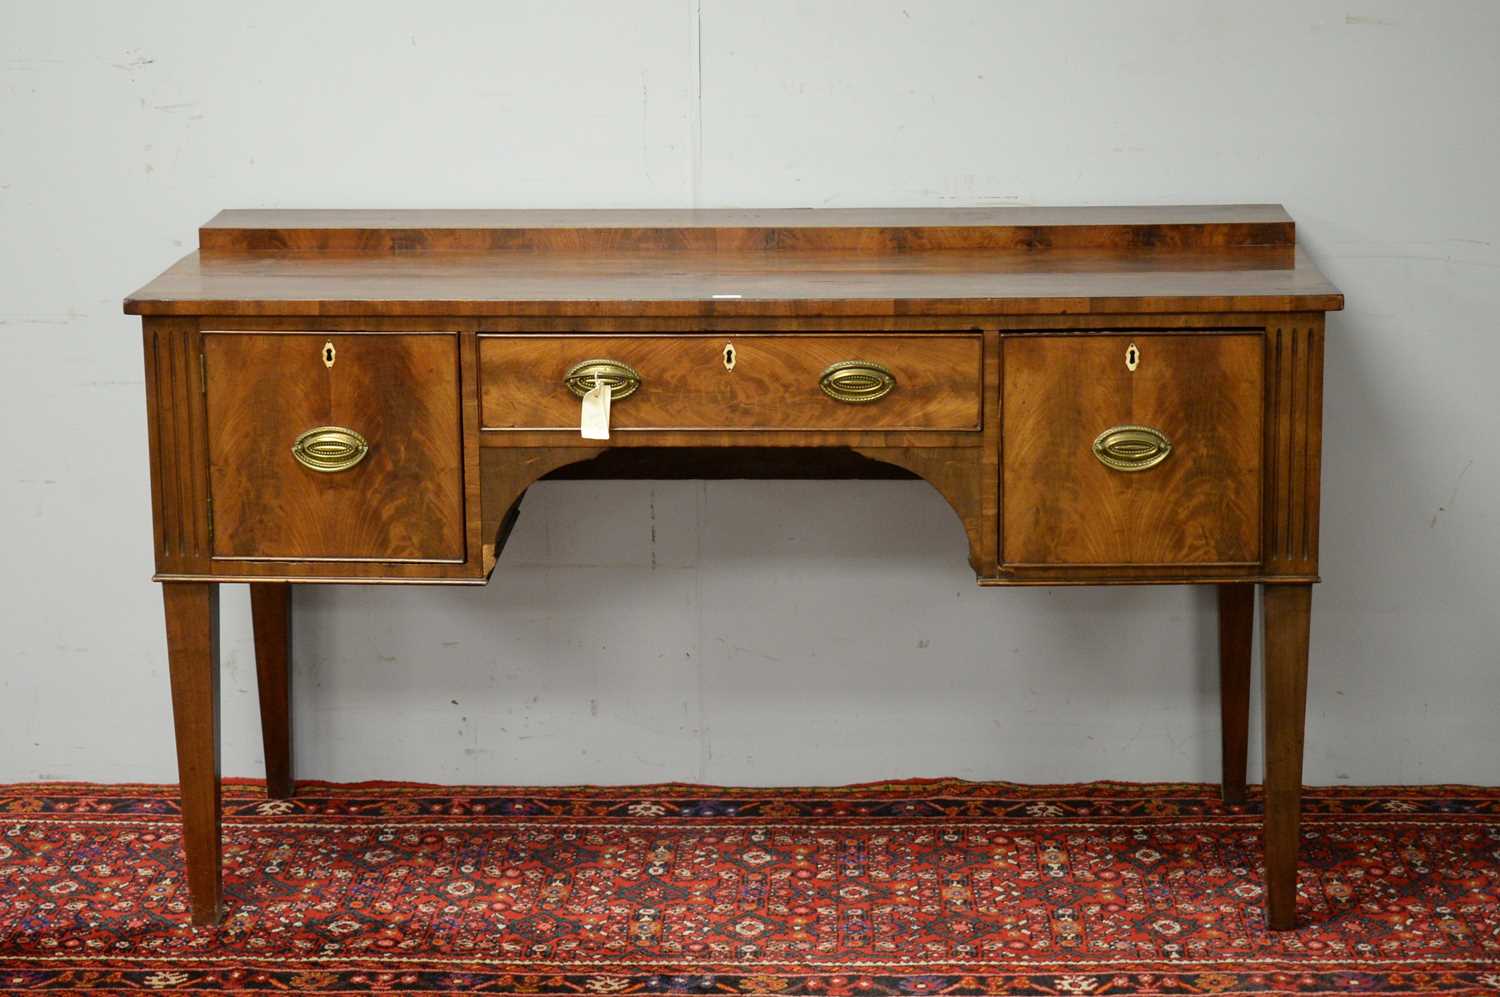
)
(388, 404)
(685, 382)
(1178, 481)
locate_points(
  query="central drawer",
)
(758, 382)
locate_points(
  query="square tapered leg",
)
(1287, 611)
(192, 611)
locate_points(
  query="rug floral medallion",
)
(922, 887)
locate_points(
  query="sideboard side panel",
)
(1294, 442)
(176, 431)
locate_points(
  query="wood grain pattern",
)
(192, 614)
(739, 438)
(1286, 612)
(1130, 574)
(345, 573)
(767, 284)
(1236, 624)
(1200, 506)
(175, 434)
(1294, 445)
(1184, 322)
(271, 621)
(774, 383)
(404, 501)
(1214, 228)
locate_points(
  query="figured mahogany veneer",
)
(1200, 505)
(1102, 396)
(402, 502)
(973, 262)
(851, 232)
(686, 384)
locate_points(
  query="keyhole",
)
(1132, 357)
(328, 354)
(729, 356)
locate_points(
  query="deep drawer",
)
(1108, 465)
(353, 454)
(790, 382)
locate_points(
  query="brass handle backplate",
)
(856, 381)
(621, 378)
(329, 449)
(1132, 448)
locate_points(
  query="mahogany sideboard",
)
(1105, 396)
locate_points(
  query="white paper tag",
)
(595, 419)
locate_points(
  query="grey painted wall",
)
(748, 632)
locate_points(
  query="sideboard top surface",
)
(725, 263)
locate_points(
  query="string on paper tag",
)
(594, 424)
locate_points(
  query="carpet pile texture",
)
(918, 887)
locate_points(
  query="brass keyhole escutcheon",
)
(1132, 357)
(729, 356)
(329, 354)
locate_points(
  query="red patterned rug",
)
(927, 887)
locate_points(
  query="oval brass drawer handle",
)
(1132, 448)
(856, 381)
(621, 378)
(329, 449)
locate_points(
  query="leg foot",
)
(271, 615)
(1286, 611)
(1236, 615)
(192, 610)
